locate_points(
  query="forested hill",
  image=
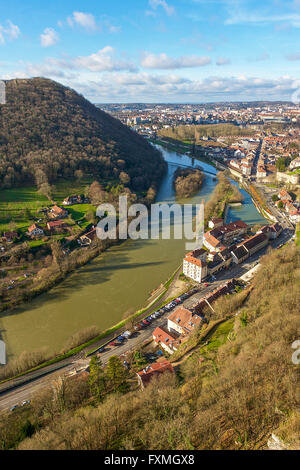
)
(49, 131)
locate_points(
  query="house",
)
(88, 237)
(215, 222)
(57, 224)
(165, 339)
(272, 231)
(35, 231)
(154, 370)
(284, 195)
(10, 236)
(76, 199)
(255, 243)
(219, 262)
(239, 255)
(183, 321)
(211, 242)
(295, 216)
(276, 230)
(57, 212)
(261, 172)
(295, 163)
(215, 238)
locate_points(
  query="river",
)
(118, 281)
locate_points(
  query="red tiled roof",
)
(197, 262)
(162, 336)
(180, 316)
(154, 369)
(34, 227)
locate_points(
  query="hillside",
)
(48, 131)
(233, 392)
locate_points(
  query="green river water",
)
(117, 281)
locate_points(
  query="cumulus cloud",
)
(85, 20)
(9, 32)
(163, 61)
(223, 61)
(103, 60)
(154, 4)
(49, 37)
(130, 87)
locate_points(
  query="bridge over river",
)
(191, 166)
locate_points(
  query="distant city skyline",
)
(156, 51)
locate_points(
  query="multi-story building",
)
(195, 266)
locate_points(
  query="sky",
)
(171, 51)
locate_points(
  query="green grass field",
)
(219, 336)
(66, 188)
(15, 203)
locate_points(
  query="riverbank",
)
(183, 148)
(169, 293)
(117, 281)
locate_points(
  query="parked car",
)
(146, 322)
(120, 338)
(13, 408)
(26, 402)
(127, 334)
(113, 344)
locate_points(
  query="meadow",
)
(20, 205)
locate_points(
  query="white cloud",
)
(85, 20)
(223, 61)
(142, 86)
(49, 37)
(104, 60)
(147, 87)
(163, 61)
(154, 4)
(261, 19)
(9, 32)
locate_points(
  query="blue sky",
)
(156, 50)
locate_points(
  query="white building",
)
(194, 265)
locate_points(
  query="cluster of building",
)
(224, 245)
(291, 207)
(76, 199)
(147, 119)
(182, 321)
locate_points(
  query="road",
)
(282, 218)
